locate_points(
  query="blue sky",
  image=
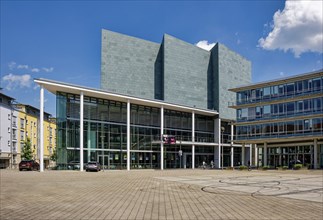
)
(61, 40)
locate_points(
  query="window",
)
(281, 108)
(290, 127)
(267, 110)
(299, 87)
(251, 113)
(258, 93)
(317, 104)
(258, 111)
(317, 124)
(307, 85)
(307, 105)
(274, 109)
(290, 108)
(14, 121)
(9, 130)
(242, 113)
(8, 143)
(317, 84)
(281, 90)
(253, 95)
(307, 125)
(300, 105)
(9, 117)
(22, 123)
(22, 135)
(266, 92)
(274, 91)
(300, 126)
(281, 128)
(290, 89)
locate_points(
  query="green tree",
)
(53, 157)
(27, 152)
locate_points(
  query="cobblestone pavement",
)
(155, 194)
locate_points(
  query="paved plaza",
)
(155, 194)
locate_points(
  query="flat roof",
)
(294, 78)
(55, 86)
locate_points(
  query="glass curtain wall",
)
(287, 156)
(105, 134)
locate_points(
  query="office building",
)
(283, 120)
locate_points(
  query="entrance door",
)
(104, 161)
(187, 160)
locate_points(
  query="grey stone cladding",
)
(174, 71)
(185, 73)
(231, 70)
(128, 65)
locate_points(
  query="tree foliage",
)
(27, 152)
(53, 157)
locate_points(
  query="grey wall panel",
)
(233, 71)
(185, 73)
(128, 65)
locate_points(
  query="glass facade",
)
(281, 110)
(105, 134)
(289, 155)
(287, 112)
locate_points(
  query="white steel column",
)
(265, 154)
(41, 149)
(81, 130)
(315, 163)
(161, 137)
(128, 135)
(193, 140)
(217, 139)
(232, 149)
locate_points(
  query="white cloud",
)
(298, 28)
(204, 44)
(12, 65)
(23, 67)
(48, 70)
(35, 70)
(14, 81)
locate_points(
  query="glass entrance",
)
(104, 161)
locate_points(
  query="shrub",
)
(265, 167)
(285, 167)
(242, 167)
(297, 166)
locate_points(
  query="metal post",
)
(232, 149)
(222, 131)
(41, 150)
(128, 135)
(161, 137)
(81, 130)
(193, 140)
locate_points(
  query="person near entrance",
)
(204, 165)
(249, 167)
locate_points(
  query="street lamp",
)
(222, 131)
